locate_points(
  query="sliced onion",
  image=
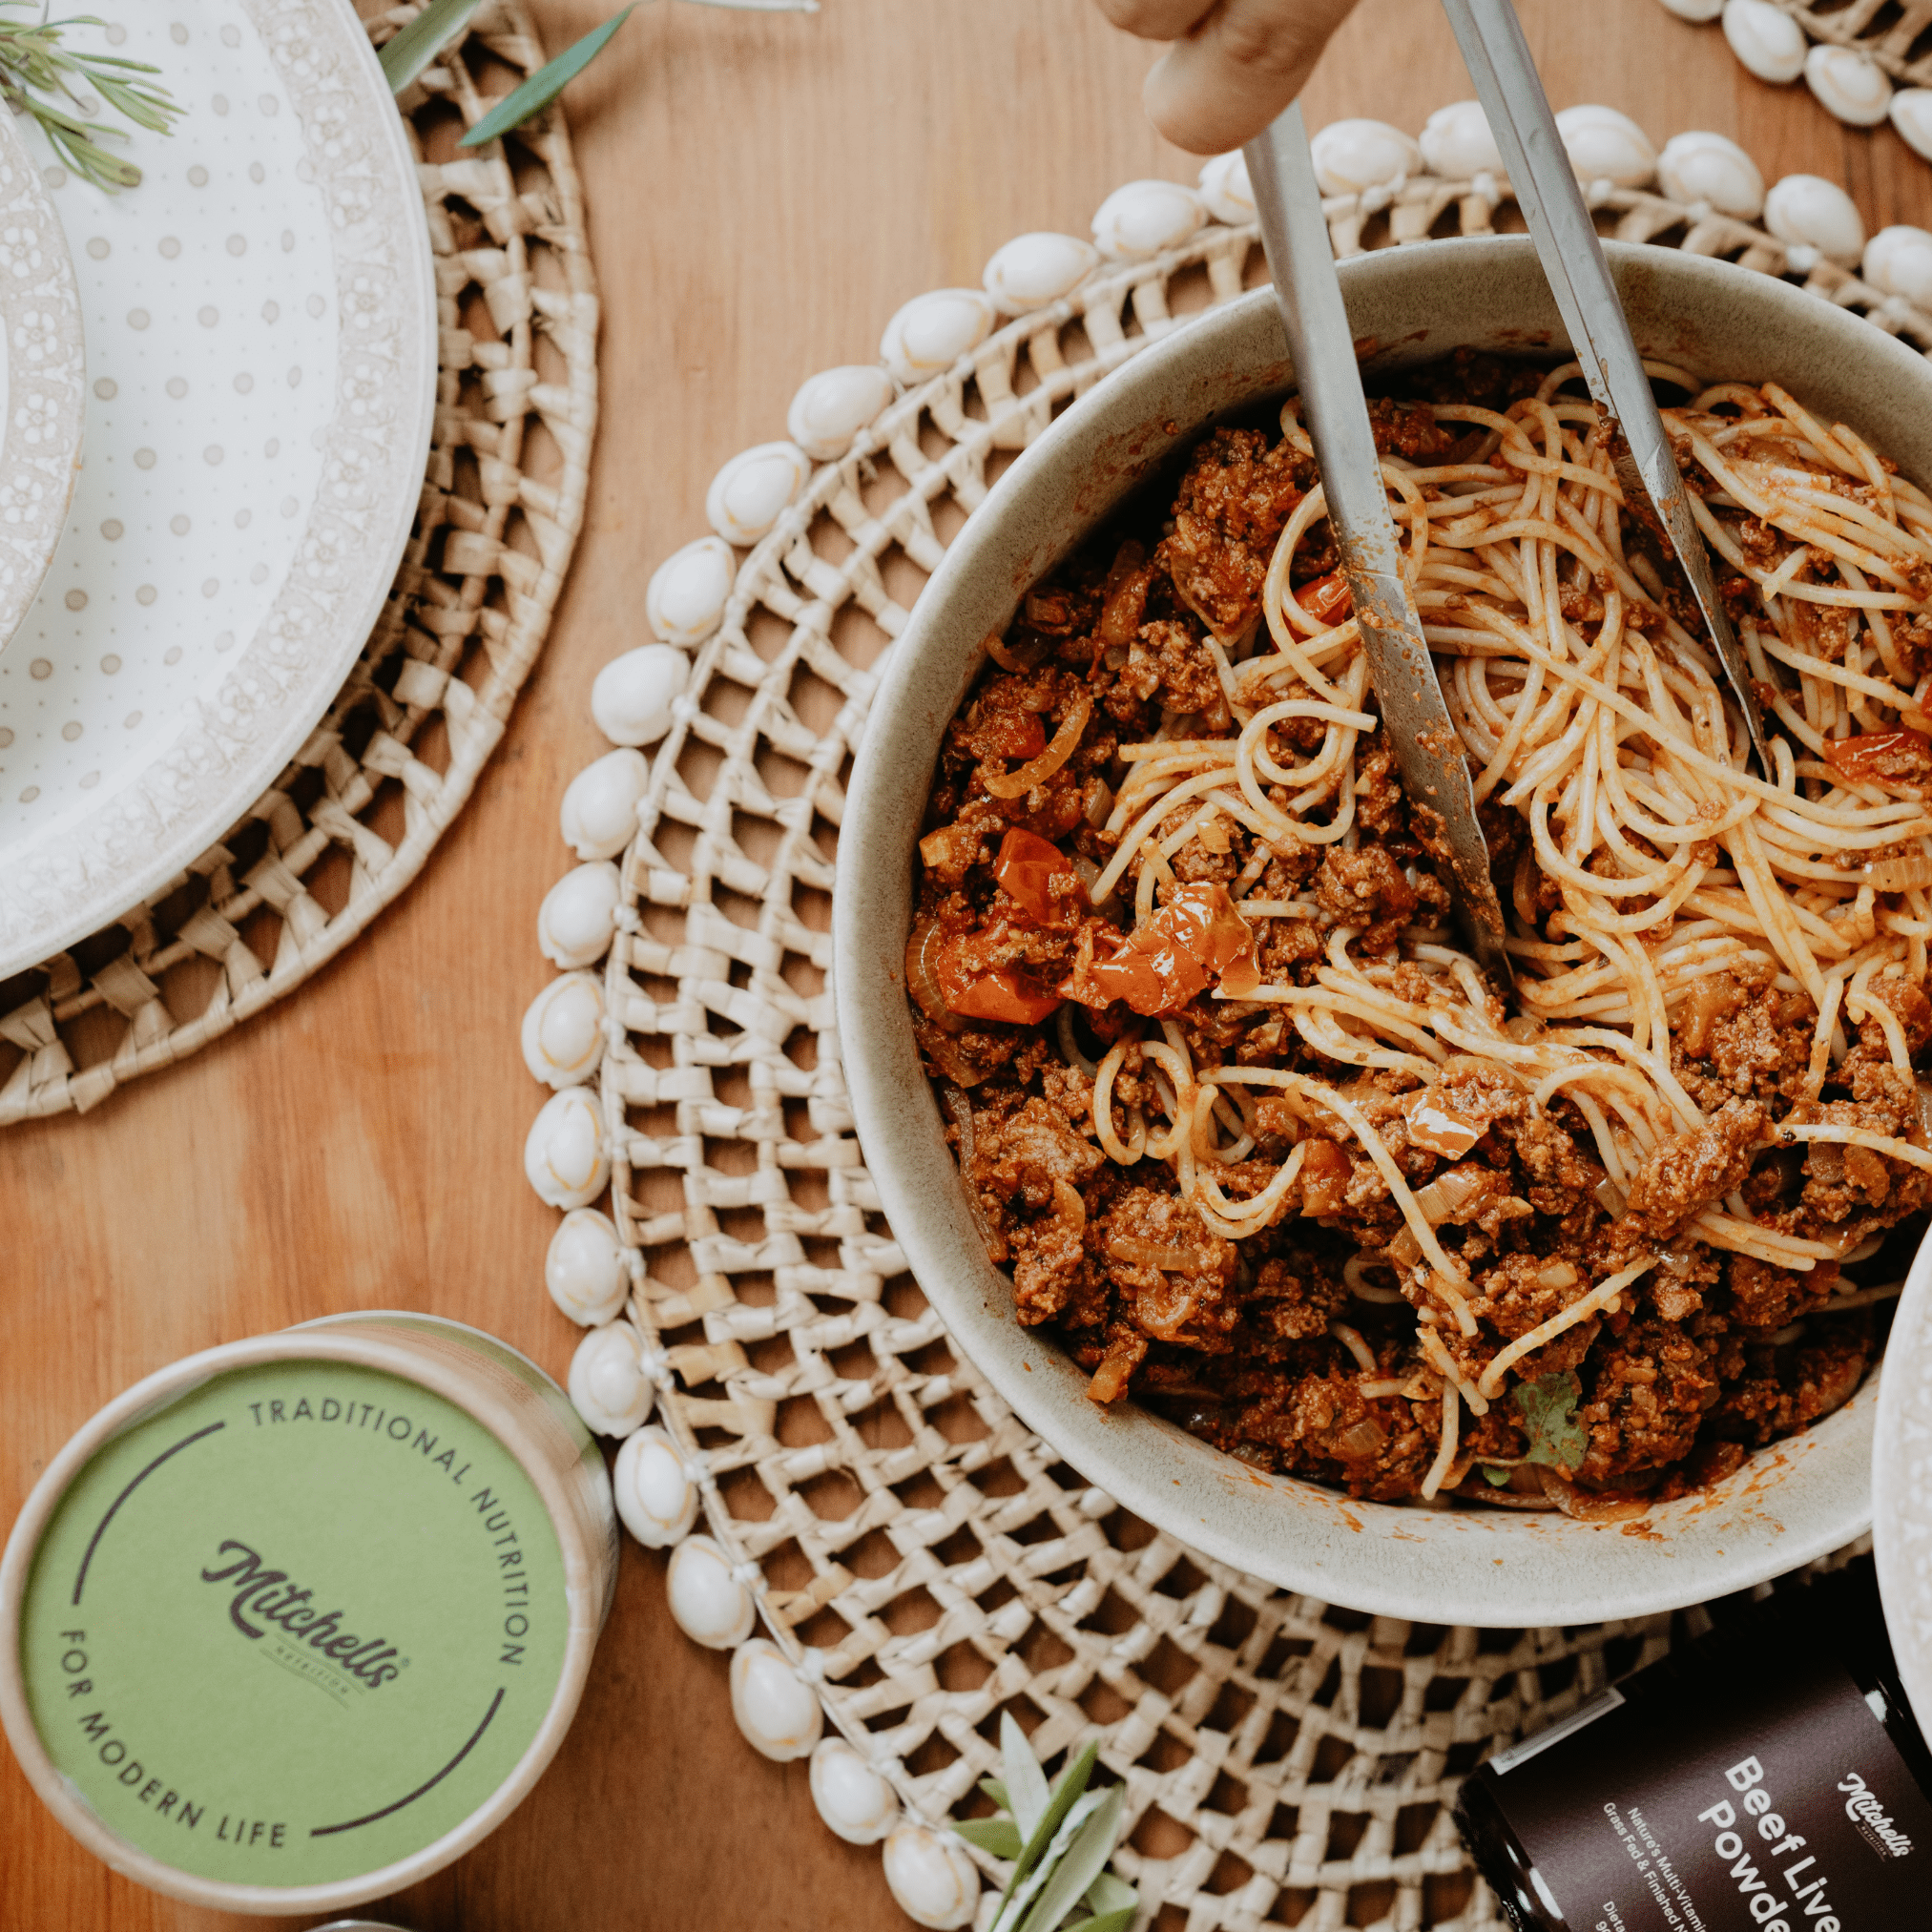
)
(1015, 660)
(1450, 1193)
(1611, 1198)
(1021, 780)
(1360, 1439)
(920, 982)
(961, 1109)
(1899, 875)
(1585, 1506)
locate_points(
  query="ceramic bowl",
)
(1792, 1501)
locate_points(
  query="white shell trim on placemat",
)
(1898, 260)
(631, 697)
(1031, 270)
(1911, 113)
(931, 332)
(931, 1877)
(1457, 142)
(1698, 166)
(856, 1802)
(609, 1383)
(754, 489)
(1852, 86)
(829, 411)
(584, 1269)
(779, 1713)
(578, 918)
(1605, 145)
(656, 1499)
(689, 589)
(564, 1157)
(662, 1482)
(710, 1602)
(1852, 57)
(563, 1030)
(1808, 212)
(1766, 39)
(1226, 191)
(599, 813)
(1146, 219)
(1352, 157)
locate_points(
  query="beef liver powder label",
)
(295, 1626)
(1797, 1816)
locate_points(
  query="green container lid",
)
(296, 1622)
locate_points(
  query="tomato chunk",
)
(1901, 757)
(1326, 599)
(1026, 870)
(1172, 956)
(978, 992)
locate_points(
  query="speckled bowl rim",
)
(1792, 1502)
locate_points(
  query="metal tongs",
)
(1296, 237)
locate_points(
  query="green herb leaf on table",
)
(999, 1836)
(1110, 1894)
(1557, 1439)
(416, 46)
(1060, 1863)
(546, 84)
(1116, 1921)
(41, 75)
(1027, 1793)
(1080, 1863)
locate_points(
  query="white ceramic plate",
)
(43, 374)
(260, 326)
(1901, 1484)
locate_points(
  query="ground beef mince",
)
(1321, 1337)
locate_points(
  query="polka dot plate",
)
(262, 353)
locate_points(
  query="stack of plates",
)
(260, 359)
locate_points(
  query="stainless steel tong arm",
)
(1545, 189)
(1427, 751)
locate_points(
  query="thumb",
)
(1229, 78)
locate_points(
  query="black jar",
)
(1767, 1777)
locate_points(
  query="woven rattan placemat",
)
(916, 1555)
(350, 823)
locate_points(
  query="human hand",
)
(1233, 65)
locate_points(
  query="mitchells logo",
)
(1863, 1809)
(262, 1597)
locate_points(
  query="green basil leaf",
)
(1556, 1438)
(546, 84)
(1497, 1479)
(999, 1835)
(406, 56)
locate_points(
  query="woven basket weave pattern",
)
(470, 612)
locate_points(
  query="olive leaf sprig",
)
(42, 75)
(1059, 1837)
(408, 53)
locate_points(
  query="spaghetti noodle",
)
(1285, 1163)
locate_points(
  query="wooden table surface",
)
(763, 191)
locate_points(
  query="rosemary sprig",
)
(1059, 1837)
(42, 75)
